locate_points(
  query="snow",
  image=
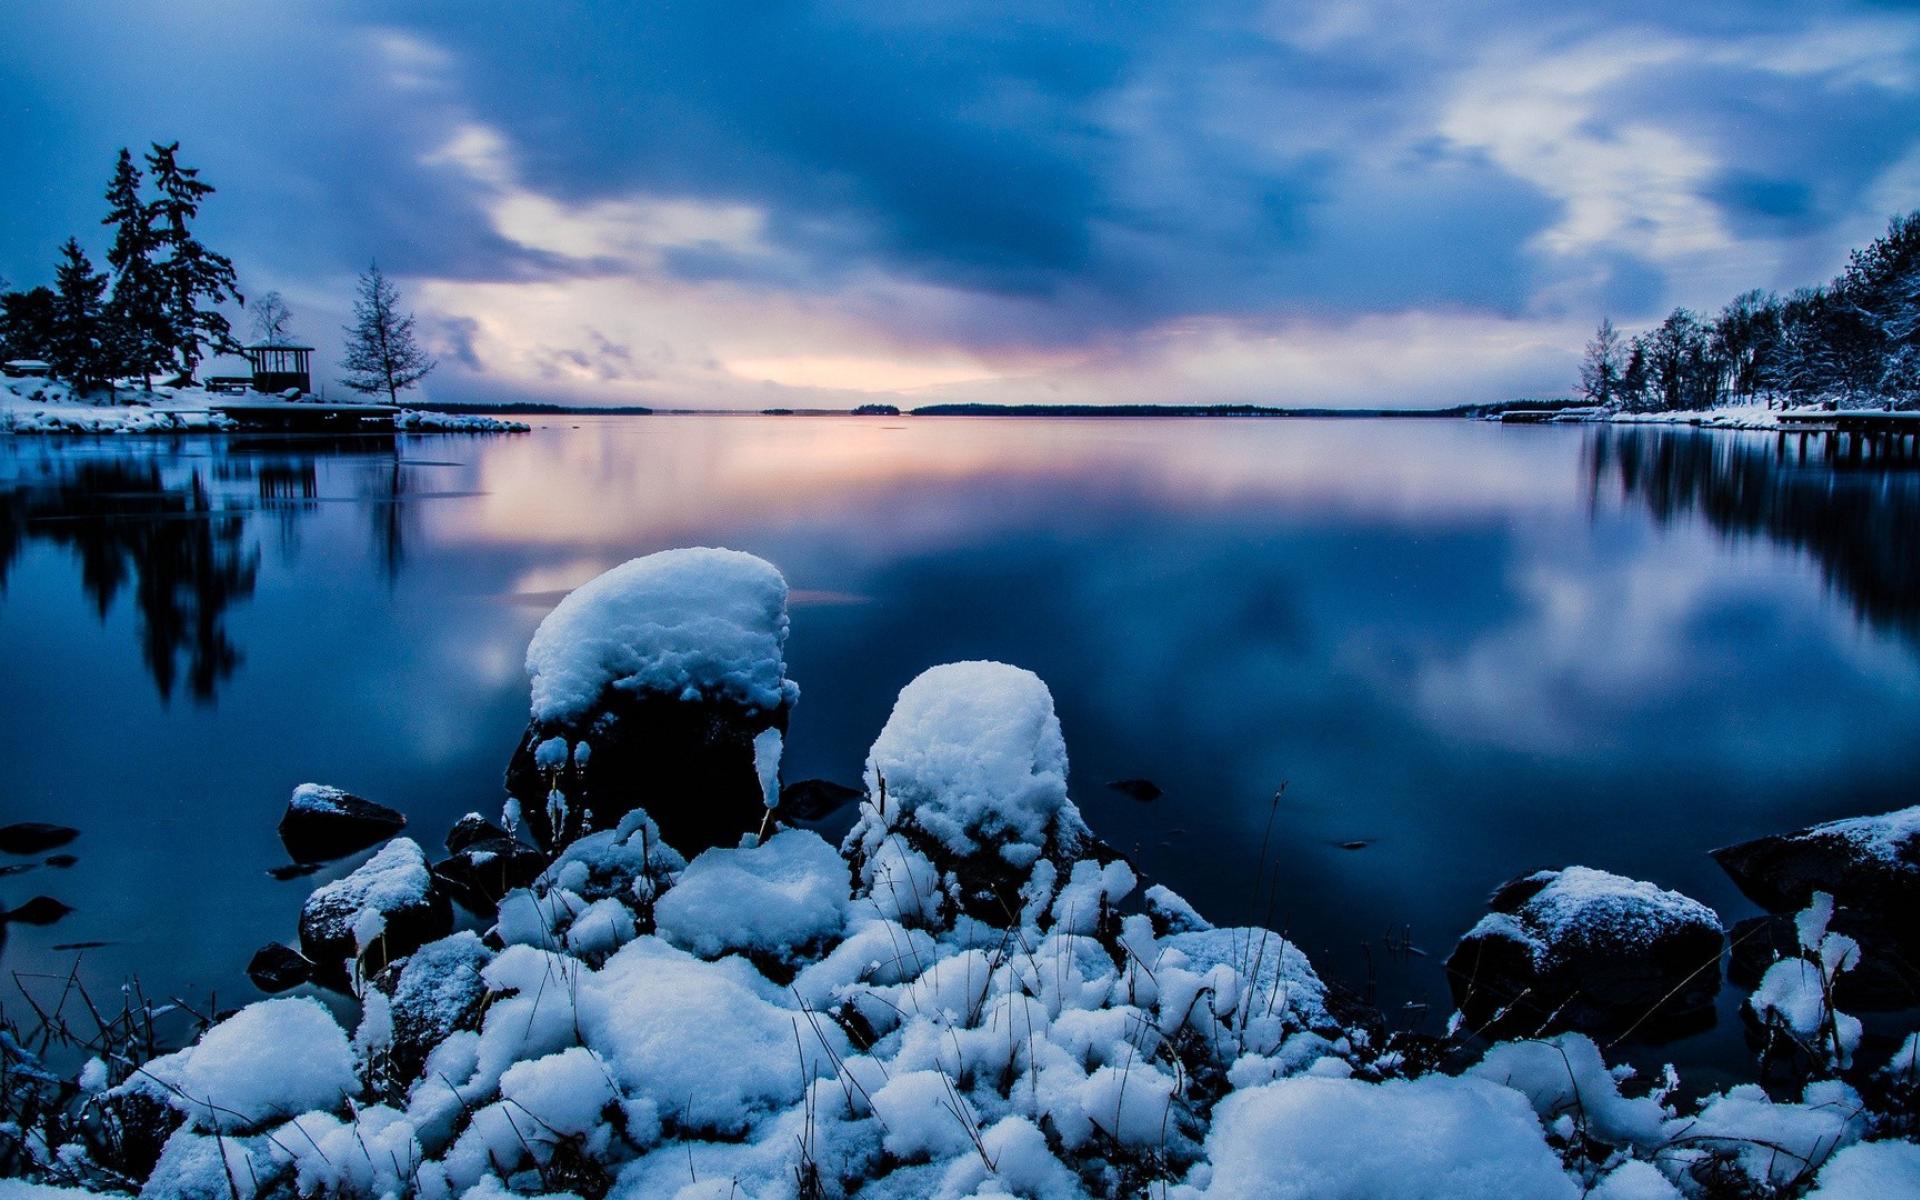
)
(413, 420)
(1433, 1138)
(779, 898)
(697, 623)
(1771, 1143)
(395, 877)
(973, 755)
(1870, 1171)
(273, 1058)
(318, 798)
(767, 745)
(1885, 837)
(1566, 1076)
(1795, 993)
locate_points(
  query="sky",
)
(721, 205)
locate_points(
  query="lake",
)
(1476, 649)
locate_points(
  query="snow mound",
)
(1432, 1138)
(1871, 1171)
(778, 898)
(271, 1059)
(413, 420)
(973, 755)
(695, 623)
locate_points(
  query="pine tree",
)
(137, 320)
(78, 351)
(26, 323)
(1600, 369)
(382, 355)
(191, 272)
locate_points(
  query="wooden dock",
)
(300, 416)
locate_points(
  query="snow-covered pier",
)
(306, 416)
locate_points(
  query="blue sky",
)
(757, 204)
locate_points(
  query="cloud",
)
(746, 203)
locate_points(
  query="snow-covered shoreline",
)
(972, 995)
(43, 406)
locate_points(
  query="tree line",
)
(1851, 343)
(155, 310)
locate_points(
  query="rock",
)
(470, 829)
(1884, 980)
(650, 686)
(439, 991)
(33, 837)
(1868, 864)
(1588, 950)
(61, 860)
(813, 799)
(294, 870)
(324, 823)
(385, 910)
(41, 910)
(275, 968)
(1146, 791)
(480, 873)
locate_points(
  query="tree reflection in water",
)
(177, 530)
(1850, 502)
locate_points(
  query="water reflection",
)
(178, 529)
(1850, 502)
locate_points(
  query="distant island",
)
(1224, 410)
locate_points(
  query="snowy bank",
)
(49, 406)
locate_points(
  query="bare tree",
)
(271, 318)
(382, 355)
(1600, 369)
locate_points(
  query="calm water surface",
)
(1479, 650)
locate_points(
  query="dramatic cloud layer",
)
(737, 204)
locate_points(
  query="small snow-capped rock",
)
(323, 822)
(275, 968)
(392, 895)
(1585, 949)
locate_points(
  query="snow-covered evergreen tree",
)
(78, 350)
(195, 277)
(137, 315)
(382, 355)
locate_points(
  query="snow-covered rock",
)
(270, 1060)
(1340, 1139)
(384, 910)
(1870, 865)
(415, 420)
(650, 685)
(1870, 1171)
(967, 810)
(1585, 949)
(323, 822)
(779, 900)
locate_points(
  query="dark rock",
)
(324, 823)
(61, 860)
(397, 885)
(1146, 791)
(1355, 845)
(63, 947)
(470, 829)
(16, 868)
(480, 873)
(688, 762)
(41, 910)
(294, 870)
(1868, 864)
(1884, 980)
(33, 837)
(814, 799)
(275, 968)
(1584, 949)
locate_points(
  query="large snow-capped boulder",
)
(323, 822)
(1585, 949)
(1869, 865)
(660, 684)
(967, 798)
(387, 908)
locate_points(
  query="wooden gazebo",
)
(279, 365)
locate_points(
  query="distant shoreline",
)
(1005, 410)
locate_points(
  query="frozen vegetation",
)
(971, 996)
